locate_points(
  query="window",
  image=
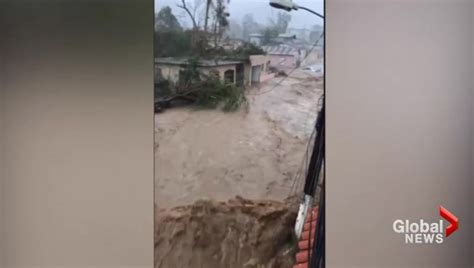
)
(229, 76)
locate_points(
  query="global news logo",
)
(424, 232)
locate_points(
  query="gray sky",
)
(260, 9)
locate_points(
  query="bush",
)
(191, 73)
(213, 92)
(207, 91)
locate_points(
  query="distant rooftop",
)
(202, 63)
(280, 50)
(298, 30)
(287, 36)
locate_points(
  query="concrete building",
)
(172, 69)
(303, 34)
(284, 57)
(285, 38)
(241, 73)
(257, 70)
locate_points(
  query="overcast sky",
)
(260, 9)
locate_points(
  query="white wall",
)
(399, 129)
(171, 72)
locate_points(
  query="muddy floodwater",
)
(255, 152)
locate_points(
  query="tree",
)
(283, 21)
(173, 44)
(206, 18)
(185, 6)
(222, 14)
(235, 30)
(166, 21)
(269, 33)
(248, 24)
(199, 40)
(221, 21)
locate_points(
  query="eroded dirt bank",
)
(233, 234)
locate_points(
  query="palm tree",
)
(221, 19)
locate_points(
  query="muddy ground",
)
(256, 152)
(234, 234)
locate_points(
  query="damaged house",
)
(238, 72)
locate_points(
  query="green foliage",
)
(275, 28)
(209, 91)
(269, 34)
(180, 44)
(172, 44)
(199, 43)
(214, 93)
(221, 13)
(191, 73)
(249, 49)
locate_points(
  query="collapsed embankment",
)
(234, 234)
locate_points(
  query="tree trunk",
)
(215, 33)
(206, 19)
(185, 8)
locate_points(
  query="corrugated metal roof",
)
(280, 50)
(202, 63)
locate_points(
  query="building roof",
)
(290, 29)
(234, 40)
(280, 50)
(202, 63)
(287, 36)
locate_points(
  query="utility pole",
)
(313, 179)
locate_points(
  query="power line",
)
(296, 182)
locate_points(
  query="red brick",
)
(301, 265)
(302, 256)
(305, 234)
(306, 225)
(311, 217)
(305, 244)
